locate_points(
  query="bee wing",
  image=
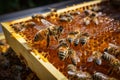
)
(38, 27)
(72, 73)
(46, 23)
(90, 59)
(113, 45)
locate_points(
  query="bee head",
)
(36, 37)
(60, 29)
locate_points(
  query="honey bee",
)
(111, 59)
(101, 76)
(41, 35)
(96, 57)
(71, 36)
(28, 24)
(86, 20)
(22, 26)
(63, 50)
(87, 12)
(76, 37)
(66, 18)
(91, 16)
(113, 62)
(74, 58)
(37, 17)
(17, 27)
(83, 75)
(72, 69)
(51, 30)
(113, 49)
(81, 38)
(95, 20)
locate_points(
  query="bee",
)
(63, 49)
(75, 13)
(73, 55)
(66, 18)
(51, 30)
(72, 69)
(37, 17)
(22, 26)
(86, 20)
(95, 20)
(96, 57)
(29, 24)
(87, 12)
(94, 17)
(71, 36)
(83, 75)
(91, 16)
(17, 27)
(101, 76)
(113, 49)
(41, 35)
(76, 37)
(113, 62)
(111, 59)
(81, 38)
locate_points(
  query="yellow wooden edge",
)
(2, 36)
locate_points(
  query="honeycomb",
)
(103, 32)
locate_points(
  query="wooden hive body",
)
(43, 68)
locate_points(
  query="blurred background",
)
(8, 6)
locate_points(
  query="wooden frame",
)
(38, 64)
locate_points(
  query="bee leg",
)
(48, 40)
(56, 37)
(23, 29)
(110, 71)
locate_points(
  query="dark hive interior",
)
(100, 21)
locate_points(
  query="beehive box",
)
(52, 68)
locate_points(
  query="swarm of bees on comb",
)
(84, 44)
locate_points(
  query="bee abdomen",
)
(106, 56)
(99, 76)
(76, 42)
